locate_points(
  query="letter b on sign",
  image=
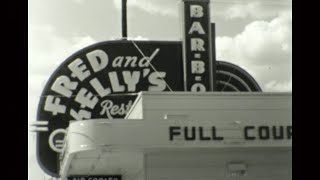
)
(197, 67)
(196, 11)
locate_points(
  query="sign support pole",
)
(213, 57)
(124, 19)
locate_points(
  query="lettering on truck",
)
(212, 134)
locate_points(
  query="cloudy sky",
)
(254, 34)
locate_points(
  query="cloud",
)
(79, 1)
(255, 9)
(138, 38)
(264, 49)
(226, 9)
(47, 50)
(81, 42)
(279, 86)
(161, 7)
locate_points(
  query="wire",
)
(149, 62)
(262, 2)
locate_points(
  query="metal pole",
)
(213, 56)
(124, 19)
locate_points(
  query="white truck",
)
(186, 136)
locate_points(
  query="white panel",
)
(262, 164)
(119, 146)
(136, 111)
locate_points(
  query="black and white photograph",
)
(159, 89)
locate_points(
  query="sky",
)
(253, 34)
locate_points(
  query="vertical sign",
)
(197, 47)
